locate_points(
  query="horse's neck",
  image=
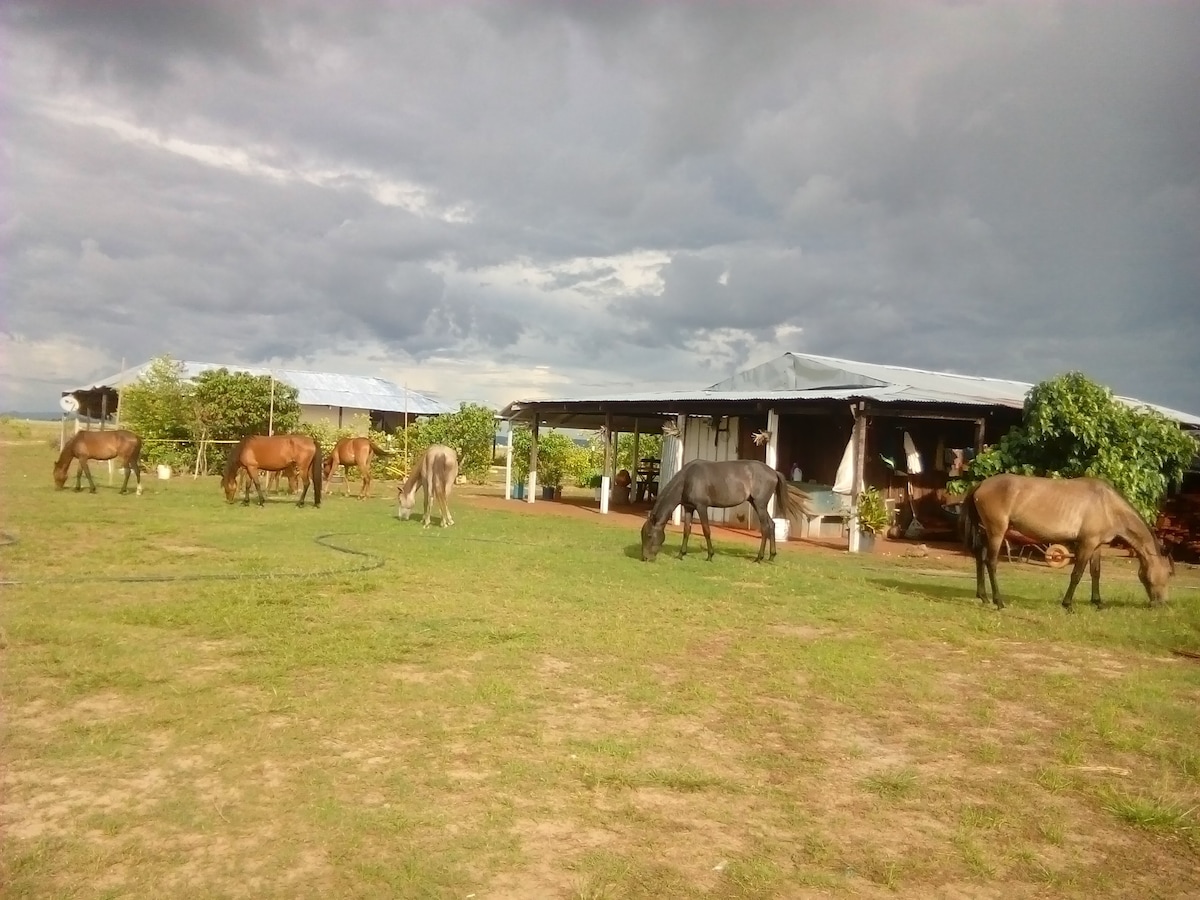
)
(412, 482)
(1137, 533)
(667, 501)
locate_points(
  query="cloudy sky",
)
(495, 201)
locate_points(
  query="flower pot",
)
(866, 541)
(518, 491)
(547, 492)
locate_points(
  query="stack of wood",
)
(1178, 527)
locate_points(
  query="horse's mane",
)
(64, 455)
(414, 474)
(233, 460)
(668, 498)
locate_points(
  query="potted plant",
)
(872, 518)
(595, 481)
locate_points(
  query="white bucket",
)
(164, 472)
(782, 529)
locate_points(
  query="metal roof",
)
(314, 388)
(806, 377)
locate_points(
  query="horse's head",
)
(229, 485)
(327, 467)
(1154, 573)
(652, 539)
(60, 475)
(404, 503)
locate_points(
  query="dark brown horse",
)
(1087, 512)
(356, 451)
(435, 471)
(701, 484)
(273, 453)
(102, 445)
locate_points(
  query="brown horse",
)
(273, 453)
(356, 451)
(435, 471)
(102, 445)
(1088, 512)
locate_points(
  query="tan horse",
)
(356, 451)
(435, 471)
(273, 453)
(1088, 512)
(102, 445)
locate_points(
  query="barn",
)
(323, 396)
(902, 430)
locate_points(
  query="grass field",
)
(517, 707)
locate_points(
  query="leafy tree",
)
(648, 445)
(470, 431)
(560, 460)
(159, 408)
(522, 441)
(1072, 427)
(232, 405)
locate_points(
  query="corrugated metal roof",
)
(314, 388)
(800, 376)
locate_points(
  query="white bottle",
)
(797, 475)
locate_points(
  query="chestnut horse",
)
(354, 451)
(103, 445)
(273, 453)
(435, 471)
(1088, 512)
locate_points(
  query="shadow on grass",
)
(696, 554)
(959, 595)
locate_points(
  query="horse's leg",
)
(254, 473)
(687, 530)
(425, 513)
(768, 529)
(702, 512)
(980, 588)
(83, 464)
(124, 461)
(1095, 567)
(78, 476)
(1083, 559)
(446, 517)
(993, 557)
(305, 474)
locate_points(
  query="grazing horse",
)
(701, 484)
(1086, 511)
(435, 471)
(102, 445)
(298, 453)
(355, 451)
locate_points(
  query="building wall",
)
(702, 440)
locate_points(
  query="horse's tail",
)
(782, 497)
(317, 471)
(375, 448)
(968, 523)
(135, 455)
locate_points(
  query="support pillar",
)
(681, 424)
(860, 460)
(606, 476)
(772, 458)
(507, 464)
(533, 448)
(637, 460)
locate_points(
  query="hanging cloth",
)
(844, 483)
(911, 455)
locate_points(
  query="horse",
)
(701, 484)
(273, 453)
(102, 445)
(435, 471)
(355, 451)
(1088, 512)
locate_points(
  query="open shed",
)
(806, 411)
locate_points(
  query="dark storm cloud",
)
(629, 194)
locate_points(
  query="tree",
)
(470, 431)
(232, 405)
(1072, 427)
(158, 408)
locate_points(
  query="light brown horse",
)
(435, 471)
(273, 453)
(356, 451)
(102, 445)
(1088, 512)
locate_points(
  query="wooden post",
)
(860, 460)
(636, 461)
(271, 414)
(980, 428)
(507, 464)
(606, 477)
(533, 448)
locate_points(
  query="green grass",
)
(517, 706)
